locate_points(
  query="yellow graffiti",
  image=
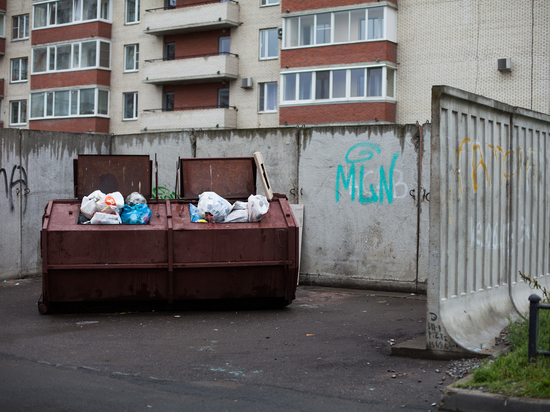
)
(526, 160)
(480, 163)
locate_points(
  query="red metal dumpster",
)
(170, 259)
(232, 260)
(86, 263)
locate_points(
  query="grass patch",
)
(511, 373)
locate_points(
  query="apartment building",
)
(134, 66)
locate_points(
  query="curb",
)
(472, 400)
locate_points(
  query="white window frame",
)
(266, 3)
(135, 48)
(265, 51)
(264, 90)
(22, 19)
(388, 28)
(20, 70)
(74, 100)
(19, 106)
(331, 99)
(77, 13)
(3, 25)
(136, 19)
(76, 49)
(135, 103)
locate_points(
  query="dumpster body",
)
(170, 259)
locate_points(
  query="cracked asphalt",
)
(329, 350)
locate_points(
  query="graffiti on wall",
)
(364, 172)
(436, 336)
(492, 165)
(17, 182)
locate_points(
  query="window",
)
(65, 103)
(224, 45)
(223, 98)
(168, 102)
(339, 84)
(169, 4)
(2, 25)
(339, 27)
(19, 69)
(18, 112)
(62, 12)
(269, 2)
(269, 44)
(268, 97)
(131, 58)
(20, 27)
(72, 56)
(130, 106)
(323, 28)
(322, 86)
(375, 29)
(132, 11)
(169, 51)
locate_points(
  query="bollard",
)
(533, 327)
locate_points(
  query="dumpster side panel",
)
(76, 285)
(230, 282)
(72, 244)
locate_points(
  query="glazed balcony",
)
(191, 69)
(205, 117)
(206, 15)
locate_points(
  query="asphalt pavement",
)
(329, 350)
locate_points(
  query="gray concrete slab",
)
(329, 350)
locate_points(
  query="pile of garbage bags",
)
(110, 209)
(214, 208)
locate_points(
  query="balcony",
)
(193, 17)
(191, 69)
(205, 117)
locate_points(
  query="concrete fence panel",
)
(488, 182)
(360, 219)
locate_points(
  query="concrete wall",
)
(360, 220)
(34, 168)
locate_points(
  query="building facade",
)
(133, 66)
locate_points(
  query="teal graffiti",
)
(163, 193)
(362, 153)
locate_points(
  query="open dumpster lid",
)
(113, 173)
(232, 178)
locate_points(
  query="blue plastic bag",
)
(194, 211)
(135, 215)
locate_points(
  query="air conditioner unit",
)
(504, 64)
(246, 82)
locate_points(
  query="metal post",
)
(533, 327)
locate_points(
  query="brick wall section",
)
(3, 4)
(299, 5)
(196, 43)
(75, 125)
(2, 45)
(193, 95)
(339, 54)
(1, 87)
(71, 32)
(338, 113)
(69, 79)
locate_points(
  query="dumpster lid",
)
(113, 173)
(233, 178)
